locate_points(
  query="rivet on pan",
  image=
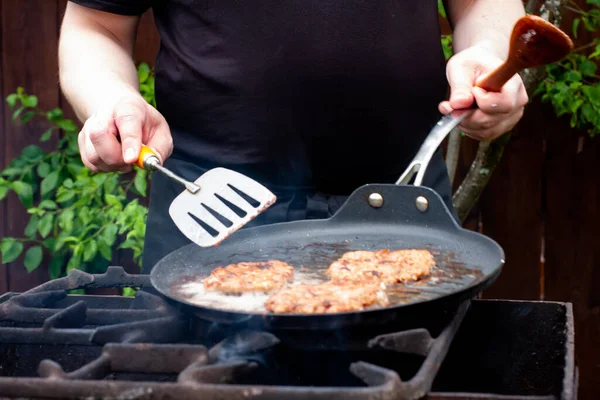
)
(375, 200)
(422, 204)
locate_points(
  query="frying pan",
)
(375, 216)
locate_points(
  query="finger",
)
(460, 78)
(493, 103)
(101, 137)
(495, 130)
(480, 120)
(129, 117)
(445, 108)
(160, 139)
(83, 152)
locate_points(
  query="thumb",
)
(460, 79)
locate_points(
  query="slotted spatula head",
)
(226, 201)
(217, 204)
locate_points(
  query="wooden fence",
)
(542, 205)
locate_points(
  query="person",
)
(311, 98)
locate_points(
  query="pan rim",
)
(242, 315)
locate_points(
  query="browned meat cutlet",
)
(389, 266)
(264, 276)
(329, 297)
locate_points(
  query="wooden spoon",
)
(534, 42)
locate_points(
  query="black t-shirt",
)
(324, 94)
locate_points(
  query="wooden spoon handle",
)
(496, 80)
(534, 42)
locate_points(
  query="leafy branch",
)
(75, 216)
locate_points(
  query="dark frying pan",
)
(374, 217)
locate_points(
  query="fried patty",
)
(264, 276)
(328, 297)
(388, 266)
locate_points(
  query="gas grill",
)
(57, 345)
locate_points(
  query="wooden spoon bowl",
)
(534, 42)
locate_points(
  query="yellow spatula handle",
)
(147, 159)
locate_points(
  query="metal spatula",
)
(215, 205)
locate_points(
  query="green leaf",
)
(576, 23)
(143, 72)
(43, 169)
(54, 115)
(11, 249)
(33, 258)
(45, 224)
(105, 250)
(592, 93)
(46, 135)
(48, 205)
(25, 193)
(63, 238)
(50, 243)
(588, 67)
(65, 220)
(90, 251)
(27, 117)
(32, 152)
(109, 234)
(68, 183)
(573, 76)
(3, 192)
(594, 2)
(112, 200)
(30, 101)
(596, 52)
(55, 160)
(32, 226)
(129, 292)
(49, 182)
(74, 262)
(12, 100)
(587, 112)
(67, 125)
(12, 172)
(55, 267)
(65, 196)
(441, 9)
(140, 182)
(17, 113)
(74, 169)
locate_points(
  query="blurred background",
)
(540, 186)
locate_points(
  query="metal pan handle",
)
(419, 163)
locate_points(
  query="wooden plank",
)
(3, 269)
(572, 270)
(511, 210)
(29, 42)
(148, 40)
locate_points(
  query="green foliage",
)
(77, 219)
(572, 86)
(146, 80)
(446, 39)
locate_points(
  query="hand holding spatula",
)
(215, 205)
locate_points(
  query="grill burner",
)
(54, 345)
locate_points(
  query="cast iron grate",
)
(143, 348)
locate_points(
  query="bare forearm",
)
(487, 22)
(96, 66)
